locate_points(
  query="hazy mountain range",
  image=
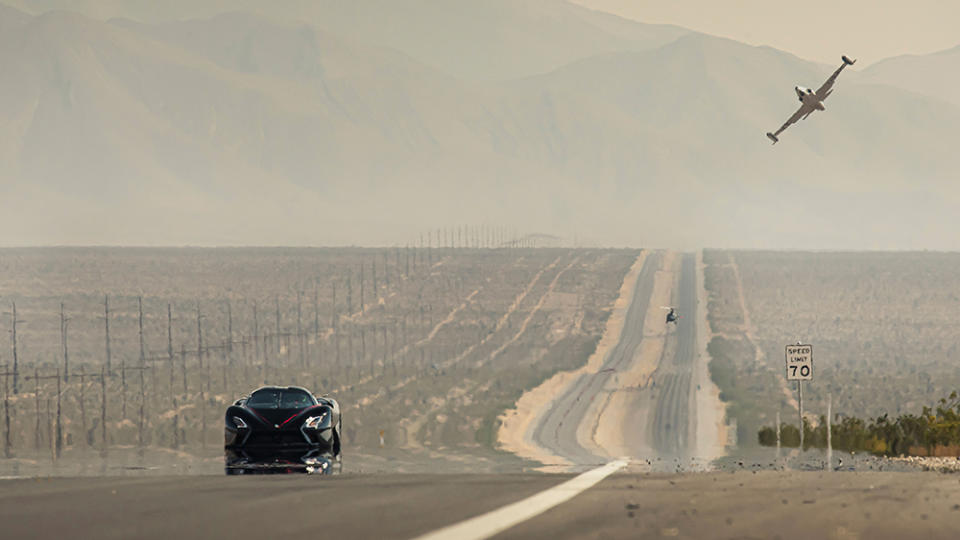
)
(135, 122)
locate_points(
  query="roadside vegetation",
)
(883, 327)
(750, 389)
(743, 387)
(933, 432)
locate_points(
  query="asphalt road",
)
(557, 429)
(278, 506)
(765, 504)
(661, 423)
(671, 426)
(768, 504)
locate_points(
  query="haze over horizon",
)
(819, 30)
(324, 123)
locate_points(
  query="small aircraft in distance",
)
(811, 101)
(671, 315)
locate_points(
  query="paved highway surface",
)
(668, 402)
(262, 507)
(661, 424)
(767, 504)
(557, 429)
(785, 505)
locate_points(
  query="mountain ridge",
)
(243, 129)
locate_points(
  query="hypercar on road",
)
(282, 427)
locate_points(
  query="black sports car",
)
(282, 429)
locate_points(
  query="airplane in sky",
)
(811, 101)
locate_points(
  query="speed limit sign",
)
(799, 362)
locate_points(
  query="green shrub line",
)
(742, 389)
(932, 428)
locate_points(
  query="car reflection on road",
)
(280, 462)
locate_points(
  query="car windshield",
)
(275, 398)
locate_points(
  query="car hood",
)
(277, 417)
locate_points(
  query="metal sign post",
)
(800, 410)
(799, 360)
(829, 441)
(778, 436)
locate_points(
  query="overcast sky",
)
(818, 30)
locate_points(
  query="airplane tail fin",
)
(773, 138)
(848, 61)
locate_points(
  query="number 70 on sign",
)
(799, 362)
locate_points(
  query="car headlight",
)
(316, 422)
(237, 421)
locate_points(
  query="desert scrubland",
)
(883, 326)
(427, 345)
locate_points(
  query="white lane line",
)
(501, 519)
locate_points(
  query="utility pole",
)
(349, 295)
(334, 324)
(170, 338)
(256, 334)
(143, 355)
(123, 384)
(7, 443)
(199, 337)
(333, 306)
(183, 367)
(300, 330)
(36, 394)
(316, 315)
(83, 403)
(277, 300)
(778, 435)
(63, 345)
(229, 328)
(59, 439)
(386, 268)
(384, 369)
(142, 416)
(106, 328)
(16, 366)
(58, 433)
(829, 437)
(363, 349)
(351, 359)
(103, 409)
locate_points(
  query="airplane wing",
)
(824, 91)
(801, 112)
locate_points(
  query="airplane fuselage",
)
(811, 100)
(809, 97)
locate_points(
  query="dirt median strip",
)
(514, 434)
(711, 434)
